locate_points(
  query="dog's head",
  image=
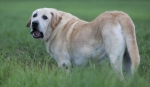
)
(43, 21)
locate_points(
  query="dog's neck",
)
(67, 24)
(68, 20)
(65, 15)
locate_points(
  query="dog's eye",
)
(34, 15)
(44, 17)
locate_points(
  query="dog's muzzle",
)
(35, 31)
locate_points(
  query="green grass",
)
(24, 61)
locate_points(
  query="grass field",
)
(24, 61)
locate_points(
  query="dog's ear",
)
(56, 18)
(29, 22)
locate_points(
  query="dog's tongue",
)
(36, 34)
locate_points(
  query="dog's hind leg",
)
(115, 46)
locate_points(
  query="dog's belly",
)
(84, 55)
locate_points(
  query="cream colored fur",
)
(73, 42)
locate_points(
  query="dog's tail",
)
(131, 57)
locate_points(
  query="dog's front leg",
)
(64, 63)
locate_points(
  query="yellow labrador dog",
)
(73, 42)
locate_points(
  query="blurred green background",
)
(25, 62)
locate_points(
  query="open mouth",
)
(37, 34)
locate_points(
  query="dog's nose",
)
(35, 24)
